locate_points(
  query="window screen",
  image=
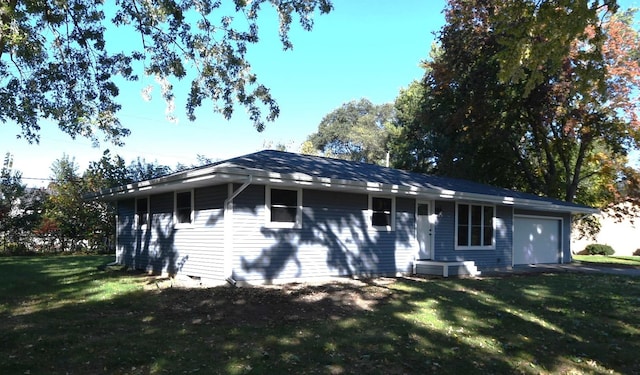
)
(284, 205)
(142, 211)
(183, 207)
(381, 212)
(475, 225)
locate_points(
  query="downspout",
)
(228, 230)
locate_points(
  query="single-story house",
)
(274, 216)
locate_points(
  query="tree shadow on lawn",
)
(517, 324)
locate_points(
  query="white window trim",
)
(267, 209)
(386, 228)
(493, 223)
(144, 226)
(175, 210)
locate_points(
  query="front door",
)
(424, 229)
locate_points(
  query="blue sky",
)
(363, 49)
(360, 50)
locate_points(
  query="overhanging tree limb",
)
(57, 64)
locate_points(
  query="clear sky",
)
(363, 49)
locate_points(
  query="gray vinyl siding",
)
(158, 253)
(125, 232)
(566, 228)
(248, 238)
(201, 246)
(195, 250)
(335, 239)
(444, 232)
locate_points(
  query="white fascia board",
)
(229, 173)
(432, 192)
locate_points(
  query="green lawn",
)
(614, 260)
(64, 315)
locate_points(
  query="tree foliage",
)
(140, 170)
(357, 130)
(536, 36)
(66, 215)
(554, 131)
(64, 60)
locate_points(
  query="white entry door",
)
(424, 229)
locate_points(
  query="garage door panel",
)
(536, 240)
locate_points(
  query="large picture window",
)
(284, 208)
(184, 207)
(382, 212)
(474, 226)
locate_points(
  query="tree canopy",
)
(357, 130)
(65, 61)
(560, 119)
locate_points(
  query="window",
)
(284, 208)
(474, 226)
(184, 207)
(142, 211)
(382, 212)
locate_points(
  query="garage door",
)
(536, 240)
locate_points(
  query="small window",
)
(284, 208)
(475, 226)
(382, 212)
(142, 211)
(183, 207)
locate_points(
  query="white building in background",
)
(623, 235)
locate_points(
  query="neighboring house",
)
(619, 228)
(274, 216)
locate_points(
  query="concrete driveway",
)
(572, 267)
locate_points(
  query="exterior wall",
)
(622, 234)
(335, 239)
(566, 229)
(155, 243)
(201, 247)
(444, 241)
(193, 250)
(125, 232)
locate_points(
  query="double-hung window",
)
(184, 207)
(142, 212)
(382, 213)
(474, 226)
(284, 207)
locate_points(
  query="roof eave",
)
(228, 173)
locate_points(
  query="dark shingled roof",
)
(322, 167)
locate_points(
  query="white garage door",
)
(536, 240)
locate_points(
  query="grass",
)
(63, 315)
(613, 260)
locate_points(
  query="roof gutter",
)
(432, 192)
(228, 229)
(224, 172)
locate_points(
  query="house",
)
(619, 228)
(273, 216)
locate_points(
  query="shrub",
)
(637, 252)
(599, 249)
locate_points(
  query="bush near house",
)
(599, 249)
